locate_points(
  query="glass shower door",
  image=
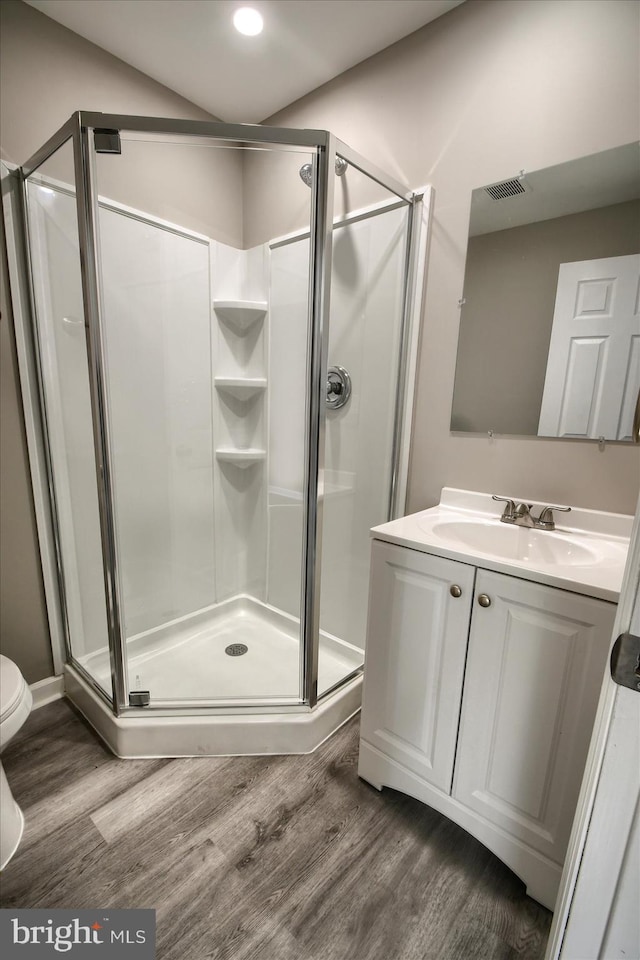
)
(194, 336)
(66, 397)
(367, 315)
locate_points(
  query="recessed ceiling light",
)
(248, 21)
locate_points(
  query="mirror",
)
(549, 340)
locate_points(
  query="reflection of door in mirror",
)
(587, 209)
(593, 370)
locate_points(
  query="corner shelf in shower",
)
(240, 314)
(239, 456)
(242, 388)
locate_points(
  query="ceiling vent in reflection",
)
(507, 188)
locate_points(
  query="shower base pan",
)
(223, 691)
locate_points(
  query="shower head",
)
(306, 174)
(306, 171)
(341, 166)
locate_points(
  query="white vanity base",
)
(541, 875)
(484, 668)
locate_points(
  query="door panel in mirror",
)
(593, 371)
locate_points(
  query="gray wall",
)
(24, 633)
(493, 87)
(48, 72)
(510, 285)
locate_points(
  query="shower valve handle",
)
(338, 387)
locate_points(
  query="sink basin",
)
(520, 544)
(586, 556)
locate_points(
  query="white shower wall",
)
(191, 523)
(367, 292)
(288, 345)
(157, 329)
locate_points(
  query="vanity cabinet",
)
(416, 648)
(480, 692)
(534, 670)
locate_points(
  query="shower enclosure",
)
(219, 366)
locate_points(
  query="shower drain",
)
(236, 649)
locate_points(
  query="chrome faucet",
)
(520, 514)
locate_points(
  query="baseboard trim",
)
(46, 691)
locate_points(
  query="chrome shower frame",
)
(329, 151)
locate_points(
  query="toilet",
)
(15, 706)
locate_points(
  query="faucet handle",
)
(546, 521)
(509, 510)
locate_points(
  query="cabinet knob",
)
(455, 590)
(484, 600)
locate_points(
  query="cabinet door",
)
(534, 670)
(416, 644)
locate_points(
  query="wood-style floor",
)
(256, 858)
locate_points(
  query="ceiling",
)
(598, 180)
(192, 47)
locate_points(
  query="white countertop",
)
(601, 538)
